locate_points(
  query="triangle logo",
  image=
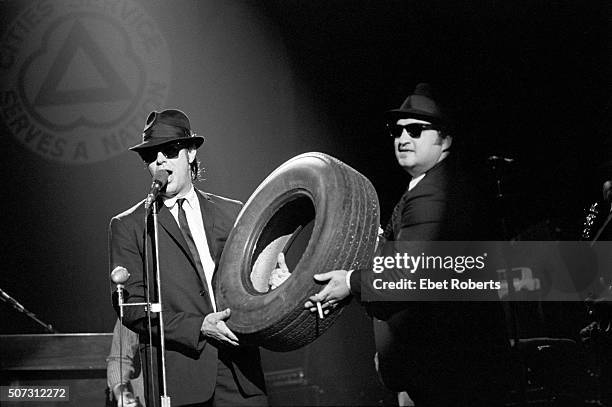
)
(81, 73)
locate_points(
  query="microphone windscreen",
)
(607, 190)
(119, 275)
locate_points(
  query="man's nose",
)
(161, 158)
(405, 137)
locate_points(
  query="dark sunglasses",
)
(414, 129)
(169, 151)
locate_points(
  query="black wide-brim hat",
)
(419, 105)
(165, 127)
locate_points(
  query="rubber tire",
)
(346, 221)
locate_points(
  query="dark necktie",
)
(395, 217)
(184, 226)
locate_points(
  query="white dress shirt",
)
(191, 206)
(414, 181)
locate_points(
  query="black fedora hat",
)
(420, 105)
(165, 127)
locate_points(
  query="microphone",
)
(160, 179)
(495, 158)
(119, 276)
(7, 298)
(607, 191)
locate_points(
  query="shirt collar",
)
(414, 181)
(190, 197)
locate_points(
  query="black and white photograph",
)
(306, 203)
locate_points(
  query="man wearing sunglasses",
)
(205, 363)
(418, 145)
(441, 353)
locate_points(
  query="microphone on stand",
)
(607, 191)
(120, 276)
(495, 158)
(160, 179)
(4, 296)
(7, 298)
(497, 163)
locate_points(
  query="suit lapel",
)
(435, 176)
(431, 177)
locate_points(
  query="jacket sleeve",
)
(182, 329)
(421, 222)
(120, 364)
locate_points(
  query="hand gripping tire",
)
(326, 215)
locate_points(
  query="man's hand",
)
(124, 397)
(280, 273)
(335, 291)
(214, 327)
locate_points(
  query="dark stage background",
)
(264, 81)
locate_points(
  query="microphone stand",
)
(120, 276)
(20, 308)
(165, 399)
(149, 306)
(497, 164)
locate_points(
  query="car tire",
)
(328, 215)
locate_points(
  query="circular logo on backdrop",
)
(80, 77)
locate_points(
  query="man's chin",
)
(405, 163)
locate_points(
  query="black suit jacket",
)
(445, 206)
(191, 359)
(439, 345)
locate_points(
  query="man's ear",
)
(191, 154)
(447, 142)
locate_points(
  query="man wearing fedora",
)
(441, 353)
(205, 363)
